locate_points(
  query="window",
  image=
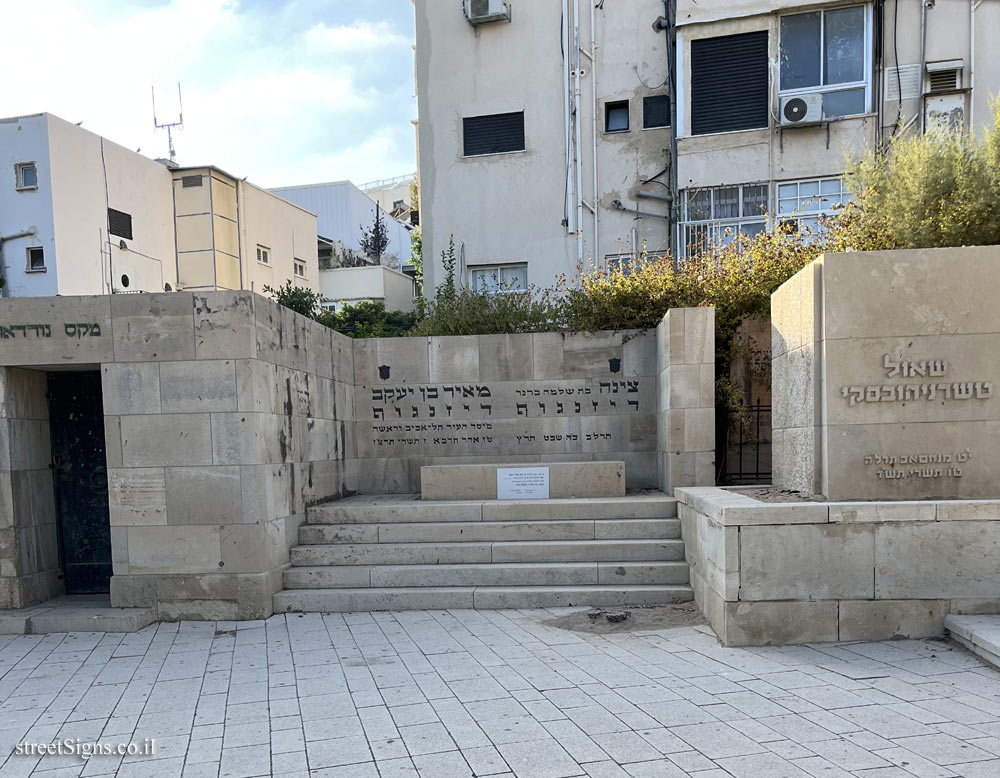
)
(655, 112)
(189, 181)
(803, 202)
(300, 268)
(496, 134)
(26, 175)
(499, 279)
(826, 52)
(628, 262)
(398, 205)
(120, 223)
(36, 259)
(264, 255)
(616, 116)
(715, 215)
(729, 89)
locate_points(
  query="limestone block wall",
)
(795, 380)
(798, 572)
(685, 405)
(224, 438)
(544, 397)
(225, 416)
(886, 384)
(29, 550)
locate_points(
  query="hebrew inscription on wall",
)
(503, 417)
(942, 391)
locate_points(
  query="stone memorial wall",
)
(528, 398)
(886, 377)
(226, 415)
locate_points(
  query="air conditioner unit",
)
(482, 11)
(802, 109)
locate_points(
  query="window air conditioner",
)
(481, 11)
(801, 109)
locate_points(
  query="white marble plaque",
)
(522, 483)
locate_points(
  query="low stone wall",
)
(778, 573)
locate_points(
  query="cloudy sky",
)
(281, 91)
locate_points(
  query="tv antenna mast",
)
(169, 126)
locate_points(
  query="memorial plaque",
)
(885, 376)
(522, 483)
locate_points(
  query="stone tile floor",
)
(437, 694)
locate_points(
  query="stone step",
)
(979, 634)
(482, 553)
(478, 531)
(467, 597)
(511, 574)
(396, 509)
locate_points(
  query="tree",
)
(375, 239)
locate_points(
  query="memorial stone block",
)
(886, 377)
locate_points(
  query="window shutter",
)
(655, 111)
(494, 134)
(729, 77)
(120, 223)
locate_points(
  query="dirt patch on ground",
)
(770, 494)
(684, 614)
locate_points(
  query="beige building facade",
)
(234, 235)
(538, 134)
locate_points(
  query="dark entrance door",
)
(80, 474)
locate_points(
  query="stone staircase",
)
(398, 552)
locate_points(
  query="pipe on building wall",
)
(579, 132)
(973, 5)
(593, 93)
(924, 5)
(5, 289)
(569, 209)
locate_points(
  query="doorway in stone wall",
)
(80, 479)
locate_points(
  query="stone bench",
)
(565, 479)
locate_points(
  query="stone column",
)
(685, 408)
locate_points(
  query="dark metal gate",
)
(80, 476)
(743, 446)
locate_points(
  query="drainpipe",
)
(593, 93)
(4, 291)
(973, 5)
(924, 5)
(579, 133)
(570, 211)
(668, 25)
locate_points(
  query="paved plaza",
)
(443, 694)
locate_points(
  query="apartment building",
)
(549, 135)
(771, 98)
(81, 215)
(543, 136)
(232, 234)
(392, 195)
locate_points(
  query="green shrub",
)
(368, 320)
(299, 299)
(481, 313)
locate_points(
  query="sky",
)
(282, 92)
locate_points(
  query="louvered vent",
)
(944, 80)
(495, 134)
(190, 181)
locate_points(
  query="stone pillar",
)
(685, 408)
(795, 359)
(29, 551)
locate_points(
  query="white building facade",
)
(543, 137)
(554, 135)
(80, 215)
(772, 98)
(343, 213)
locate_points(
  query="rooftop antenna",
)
(169, 126)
